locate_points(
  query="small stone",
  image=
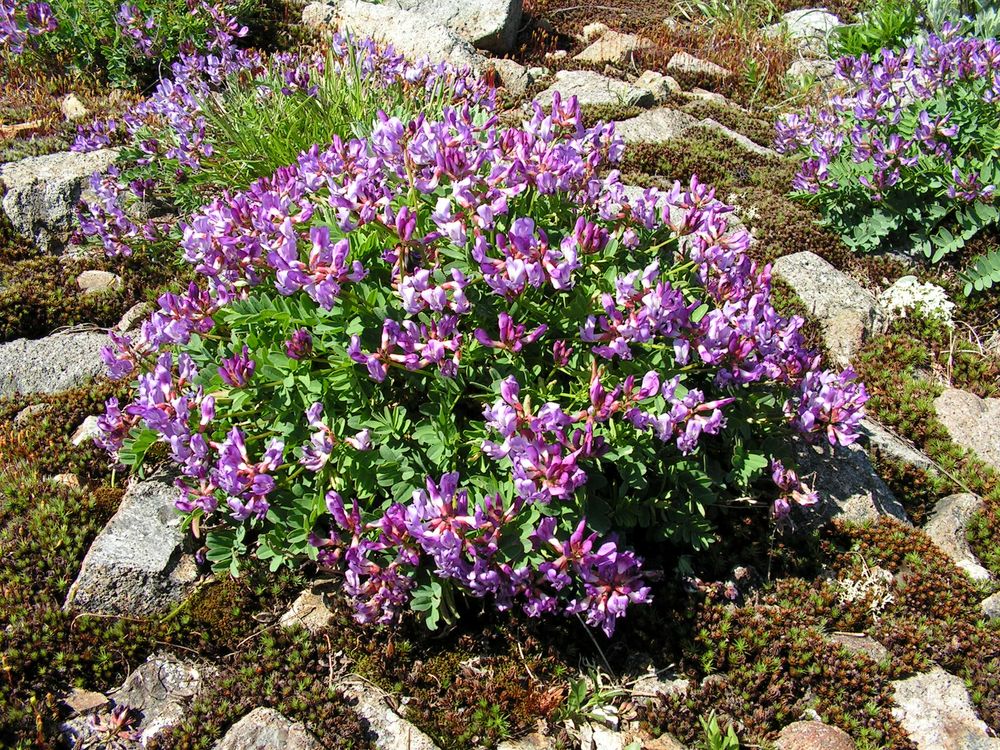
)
(809, 28)
(813, 735)
(392, 731)
(68, 480)
(848, 485)
(821, 70)
(936, 712)
(593, 31)
(614, 48)
(972, 422)
(82, 702)
(308, 610)
(947, 529)
(136, 565)
(533, 741)
(598, 737)
(593, 89)
(73, 109)
(687, 64)
(859, 643)
(95, 282)
(738, 138)
(991, 607)
(50, 364)
(558, 54)
(266, 729)
(659, 85)
(708, 96)
(28, 413)
(86, 432)
(655, 126)
(134, 317)
(537, 72)
(844, 308)
(40, 194)
(663, 742)
(515, 77)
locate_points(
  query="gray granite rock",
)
(659, 85)
(614, 48)
(308, 611)
(844, 308)
(972, 422)
(86, 431)
(159, 693)
(593, 89)
(40, 194)
(848, 486)
(859, 643)
(485, 24)
(136, 565)
(894, 447)
(390, 730)
(533, 741)
(266, 729)
(809, 28)
(738, 138)
(813, 735)
(991, 607)
(50, 364)
(411, 34)
(947, 528)
(655, 126)
(134, 317)
(936, 712)
(686, 63)
(821, 70)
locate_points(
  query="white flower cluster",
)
(909, 294)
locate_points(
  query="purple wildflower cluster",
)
(899, 113)
(19, 23)
(447, 251)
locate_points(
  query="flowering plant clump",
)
(906, 156)
(209, 127)
(124, 42)
(452, 358)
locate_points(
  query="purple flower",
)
(237, 370)
(299, 346)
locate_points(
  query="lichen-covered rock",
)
(411, 34)
(844, 308)
(655, 126)
(684, 63)
(50, 364)
(848, 485)
(95, 282)
(813, 735)
(136, 565)
(613, 48)
(972, 422)
(947, 529)
(991, 607)
(266, 729)
(40, 193)
(391, 731)
(485, 24)
(593, 89)
(935, 710)
(859, 643)
(894, 447)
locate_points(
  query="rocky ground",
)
(876, 626)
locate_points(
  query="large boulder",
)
(485, 24)
(40, 194)
(136, 565)
(972, 422)
(947, 529)
(593, 89)
(413, 35)
(50, 364)
(655, 126)
(266, 729)
(844, 308)
(849, 487)
(935, 710)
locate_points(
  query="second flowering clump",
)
(453, 358)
